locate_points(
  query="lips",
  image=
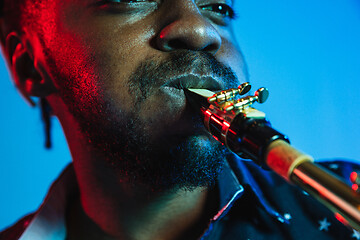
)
(194, 81)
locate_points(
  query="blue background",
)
(306, 52)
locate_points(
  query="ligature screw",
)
(260, 96)
(230, 94)
(244, 88)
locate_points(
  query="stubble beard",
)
(170, 162)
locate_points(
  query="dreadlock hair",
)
(46, 113)
(10, 11)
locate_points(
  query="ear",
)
(26, 74)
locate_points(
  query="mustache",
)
(153, 72)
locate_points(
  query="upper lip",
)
(195, 81)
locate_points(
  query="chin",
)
(189, 164)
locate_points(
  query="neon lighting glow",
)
(341, 219)
(353, 177)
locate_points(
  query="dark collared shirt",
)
(254, 204)
(264, 206)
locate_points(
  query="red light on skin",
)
(341, 219)
(355, 187)
(164, 33)
(353, 177)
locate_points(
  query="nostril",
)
(211, 47)
(176, 44)
(179, 44)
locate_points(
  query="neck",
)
(109, 208)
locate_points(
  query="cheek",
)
(231, 56)
(70, 63)
(76, 73)
(118, 54)
(92, 65)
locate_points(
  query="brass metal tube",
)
(330, 191)
(299, 169)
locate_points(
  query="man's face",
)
(120, 65)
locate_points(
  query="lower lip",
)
(174, 93)
(185, 122)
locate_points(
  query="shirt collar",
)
(49, 222)
(229, 191)
(245, 176)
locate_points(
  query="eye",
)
(222, 9)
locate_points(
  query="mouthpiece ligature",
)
(229, 117)
(229, 100)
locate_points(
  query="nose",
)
(188, 29)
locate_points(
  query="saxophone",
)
(232, 120)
